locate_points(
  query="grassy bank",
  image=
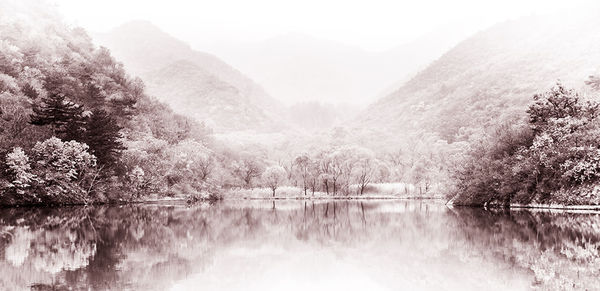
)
(373, 191)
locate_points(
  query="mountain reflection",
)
(422, 245)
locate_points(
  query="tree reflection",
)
(561, 249)
(153, 246)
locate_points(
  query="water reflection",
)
(319, 245)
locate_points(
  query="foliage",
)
(19, 166)
(64, 116)
(58, 172)
(55, 82)
(557, 149)
(273, 177)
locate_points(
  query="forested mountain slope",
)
(490, 77)
(193, 83)
(76, 128)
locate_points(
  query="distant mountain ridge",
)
(194, 83)
(301, 68)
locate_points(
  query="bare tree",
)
(247, 169)
(303, 164)
(366, 169)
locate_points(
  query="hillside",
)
(199, 84)
(489, 77)
(75, 128)
(201, 95)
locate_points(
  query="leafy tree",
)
(63, 169)
(273, 177)
(103, 136)
(559, 103)
(20, 169)
(64, 116)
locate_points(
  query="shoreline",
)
(554, 207)
(517, 206)
(185, 201)
(336, 198)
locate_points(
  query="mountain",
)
(301, 68)
(490, 77)
(197, 93)
(192, 82)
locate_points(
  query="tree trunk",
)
(273, 192)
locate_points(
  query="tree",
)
(419, 175)
(342, 165)
(594, 82)
(273, 177)
(367, 168)
(64, 116)
(303, 164)
(62, 168)
(314, 175)
(325, 169)
(559, 103)
(20, 169)
(247, 169)
(191, 164)
(56, 172)
(103, 136)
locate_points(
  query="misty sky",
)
(374, 25)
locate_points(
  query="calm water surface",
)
(297, 245)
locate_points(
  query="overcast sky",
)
(371, 24)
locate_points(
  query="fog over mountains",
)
(296, 67)
(194, 83)
(426, 86)
(300, 72)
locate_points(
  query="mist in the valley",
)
(332, 59)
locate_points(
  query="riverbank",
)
(339, 198)
(151, 200)
(555, 207)
(538, 206)
(583, 197)
(372, 191)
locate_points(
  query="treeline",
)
(331, 171)
(553, 157)
(350, 170)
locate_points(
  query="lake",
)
(297, 245)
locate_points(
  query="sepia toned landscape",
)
(278, 145)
